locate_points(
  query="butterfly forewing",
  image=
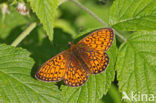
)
(100, 39)
(53, 69)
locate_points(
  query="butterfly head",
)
(70, 44)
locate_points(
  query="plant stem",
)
(120, 36)
(24, 34)
(89, 12)
(96, 17)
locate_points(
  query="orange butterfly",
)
(75, 64)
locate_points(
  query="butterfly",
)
(75, 64)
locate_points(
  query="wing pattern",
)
(97, 61)
(53, 69)
(75, 74)
(99, 40)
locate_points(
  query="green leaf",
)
(9, 27)
(16, 82)
(113, 96)
(45, 10)
(136, 64)
(61, 1)
(86, 21)
(65, 26)
(132, 15)
(95, 87)
(80, 19)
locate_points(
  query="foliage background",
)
(132, 56)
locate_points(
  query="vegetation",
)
(30, 36)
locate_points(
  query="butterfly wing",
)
(100, 39)
(76, 75)
(97, 61)
(92, 49)
(53, 69)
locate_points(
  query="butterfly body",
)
(75, 64)
(78, 55)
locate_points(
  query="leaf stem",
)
(89, 12)
(120, 36)
(24, 34)
(96, 17)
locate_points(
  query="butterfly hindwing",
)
(75, 75)
(98, 61)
